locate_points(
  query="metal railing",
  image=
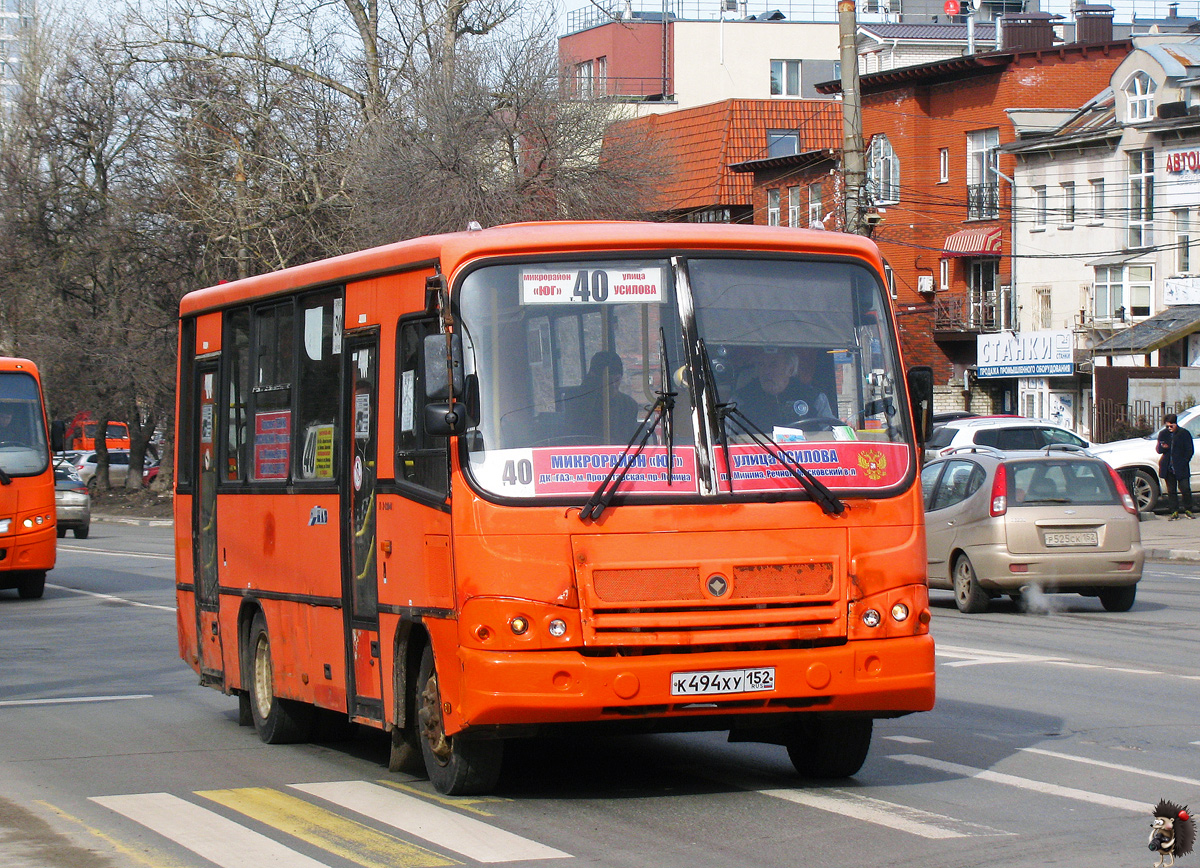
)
(977, 312)
(1115, 421)
(983, 200)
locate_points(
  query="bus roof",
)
(10, 363)
(454, 249)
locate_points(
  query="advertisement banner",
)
(838, 464)
(1025, 354)
(272, 440)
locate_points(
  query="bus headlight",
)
(557, 627)
(900, 612)
(4, 524)
(519, 625)
(872, 618)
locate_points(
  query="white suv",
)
(1006, 433)
(1137, 460)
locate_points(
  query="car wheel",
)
(830, 748)
(277, 721)
(968, 596)
(456, 766)
(82, 531)
(62, 532)
(1145, 490)
(1118, 599)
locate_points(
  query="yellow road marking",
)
(457, 802)
(339, 835)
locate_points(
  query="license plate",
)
(723, 681)
(1074, 538)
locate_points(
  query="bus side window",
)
(236, 358)
(421, 458)
(317, 395)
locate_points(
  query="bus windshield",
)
(23, 450)
(567, 358)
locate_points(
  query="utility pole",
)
(853, 169)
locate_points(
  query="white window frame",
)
(983, 171)
(816, 208)
(785, 78)
(584, 78)
(1039, 208)
(776, 138)
(944, 274)
(1043, 307)
(883, 171)
(1108, 291)
(944, 166)
(1067, 216)
(794, 207)
(1098, 204)
(773, 207)
(600, 87)
(1139, 92)
(1141, 198)
(1183, 240)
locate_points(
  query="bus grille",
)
(676, 606)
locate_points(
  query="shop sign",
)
(1025, 354)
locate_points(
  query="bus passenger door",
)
(204, 528)
(364, 681)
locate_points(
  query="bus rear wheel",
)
(32, 585)
(277, 721)
(830, 748)
(456, 766)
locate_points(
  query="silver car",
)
(1007, 523)
(72, 503)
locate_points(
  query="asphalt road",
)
(1053, 736)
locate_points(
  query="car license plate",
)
(1073, 538)
(723, 681)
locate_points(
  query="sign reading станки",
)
(1025, 354)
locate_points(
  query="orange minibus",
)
(544, 477)
(27, 526)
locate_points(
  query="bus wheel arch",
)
(457, 765)
(405, 754)
(277, 720)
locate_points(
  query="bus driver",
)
(782, 391)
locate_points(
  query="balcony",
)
(983, 201)
(962, 317)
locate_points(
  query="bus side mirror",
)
(920, 397)
(443, 367)
(58, 435)
(442, 420)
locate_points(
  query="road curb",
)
(140, 522)
(1172, 555)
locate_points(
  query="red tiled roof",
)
(695, 147)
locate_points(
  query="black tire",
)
(405, 754)
(277, 721)
(32, 585)
(830, 747)
(456, 766)
(970, 598)
(1144, 488)
(82, 532)
(62, 532)
(1118, 599)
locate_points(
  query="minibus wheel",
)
(830, 747)
(277, 721)
(32, 585)
(456, 766)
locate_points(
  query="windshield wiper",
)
(662, 410)
(816, 489)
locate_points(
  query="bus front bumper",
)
(882, 678)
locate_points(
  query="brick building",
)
(941, 185)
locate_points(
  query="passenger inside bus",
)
(599, 398)
(12, 432)
(782, 391)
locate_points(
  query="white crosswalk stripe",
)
(450, 830)
(204, 832)
(899, 817)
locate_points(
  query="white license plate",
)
(1075, 538)
(723, 681)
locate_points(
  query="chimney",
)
(1093, 24)
(1028, 31)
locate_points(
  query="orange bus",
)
(490, 484)
(27, 526)
(81, 434)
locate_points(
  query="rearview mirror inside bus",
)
(443, 367)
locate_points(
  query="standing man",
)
(1176, 447)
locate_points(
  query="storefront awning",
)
(980, 241)
(1154, 333)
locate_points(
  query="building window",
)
(1041, 307)
(984, 279)
(1039, 207)
(794, 207)
(785, 78)
(1141, 198)
(943, 165)
(1183, 241)
(883, 172)
(782, 143)
(773, 207)
(1097, 185)
(583, 80)
(1139, 279)
(1122, 291)
(816, 215)
(944, 274)
(1068, 204)
(601, 84)
(983, 166)
(1139, 97)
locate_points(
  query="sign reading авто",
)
(1025, 354)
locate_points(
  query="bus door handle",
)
(374, 647)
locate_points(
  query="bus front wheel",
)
(32, 585)
(277, 721)
(456, 766)
(830, 748)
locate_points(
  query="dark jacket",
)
(1176, 450)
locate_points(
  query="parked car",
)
(1137, 460)
(72, 502)
(1058, 520)
(1006, 433)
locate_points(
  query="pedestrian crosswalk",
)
(387, 824)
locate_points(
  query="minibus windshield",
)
(23, 450)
